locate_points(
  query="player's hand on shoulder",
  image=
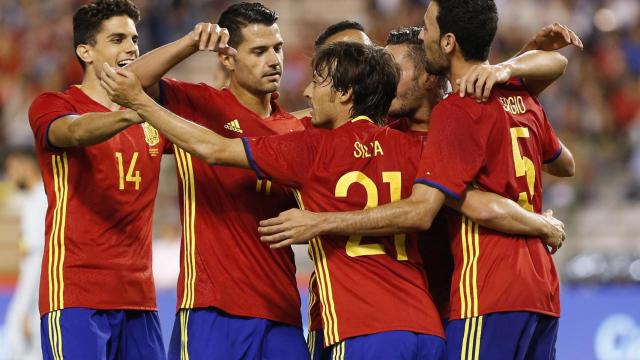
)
(211, 37)
(478, 81)
(554, 37)
(293, 226)
(557, 235)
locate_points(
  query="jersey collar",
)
(361, 117)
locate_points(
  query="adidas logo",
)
(234, 126)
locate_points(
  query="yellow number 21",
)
(524, 166)
(136, 179)
(393, 178)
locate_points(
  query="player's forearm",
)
(90, 128)
(501, 214)
(537, 65)
(152, 66)
(397, 217)
(413, 214)
(193, 138)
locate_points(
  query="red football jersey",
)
(99, 219)
(498, 146)
(366, 285)
(223, 262)
(434, 244)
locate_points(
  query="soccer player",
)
(417, 94)
(100, 167)
(505, 294)
(236, 297)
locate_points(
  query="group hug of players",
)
(395, 276)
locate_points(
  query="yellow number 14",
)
(136, 179)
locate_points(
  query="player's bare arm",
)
(563, 166)
(413, 214)
(90, 128)
(487, 209)
(151, 67)
(499, 213)
(125, 89)
(550, 38)
(534, 65)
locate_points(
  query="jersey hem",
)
(244, 314)
(537, 311)
(134, 308)
(356, 333)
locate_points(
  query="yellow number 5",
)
(130, 177)
(354, 248)
(524, 166)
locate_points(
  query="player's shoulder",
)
(188, 88)
(459, 106)
(54, 96)
(51, 99)
(401, 138)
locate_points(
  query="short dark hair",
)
(410, 36)
(238, 16)
(473, 22)
(336, 28)
(368, 70)
(88, 19)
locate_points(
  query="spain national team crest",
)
(151, 135)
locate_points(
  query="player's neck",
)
(343, 116)
(420, 120)
(258, 103)
(91, 87)
(459, 68)
(418, 125)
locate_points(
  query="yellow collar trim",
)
(362, 117)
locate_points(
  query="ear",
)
(448, 43)
(84, 52)
(345, 97)
(429, 81)
(424, 79)
(229, 62)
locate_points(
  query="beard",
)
(436, 62)
(407, 104)
(399, 111)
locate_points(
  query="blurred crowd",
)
(595, 106)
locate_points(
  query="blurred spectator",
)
(22, 329)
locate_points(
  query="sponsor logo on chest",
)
(234, 126)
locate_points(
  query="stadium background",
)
(595, 108)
